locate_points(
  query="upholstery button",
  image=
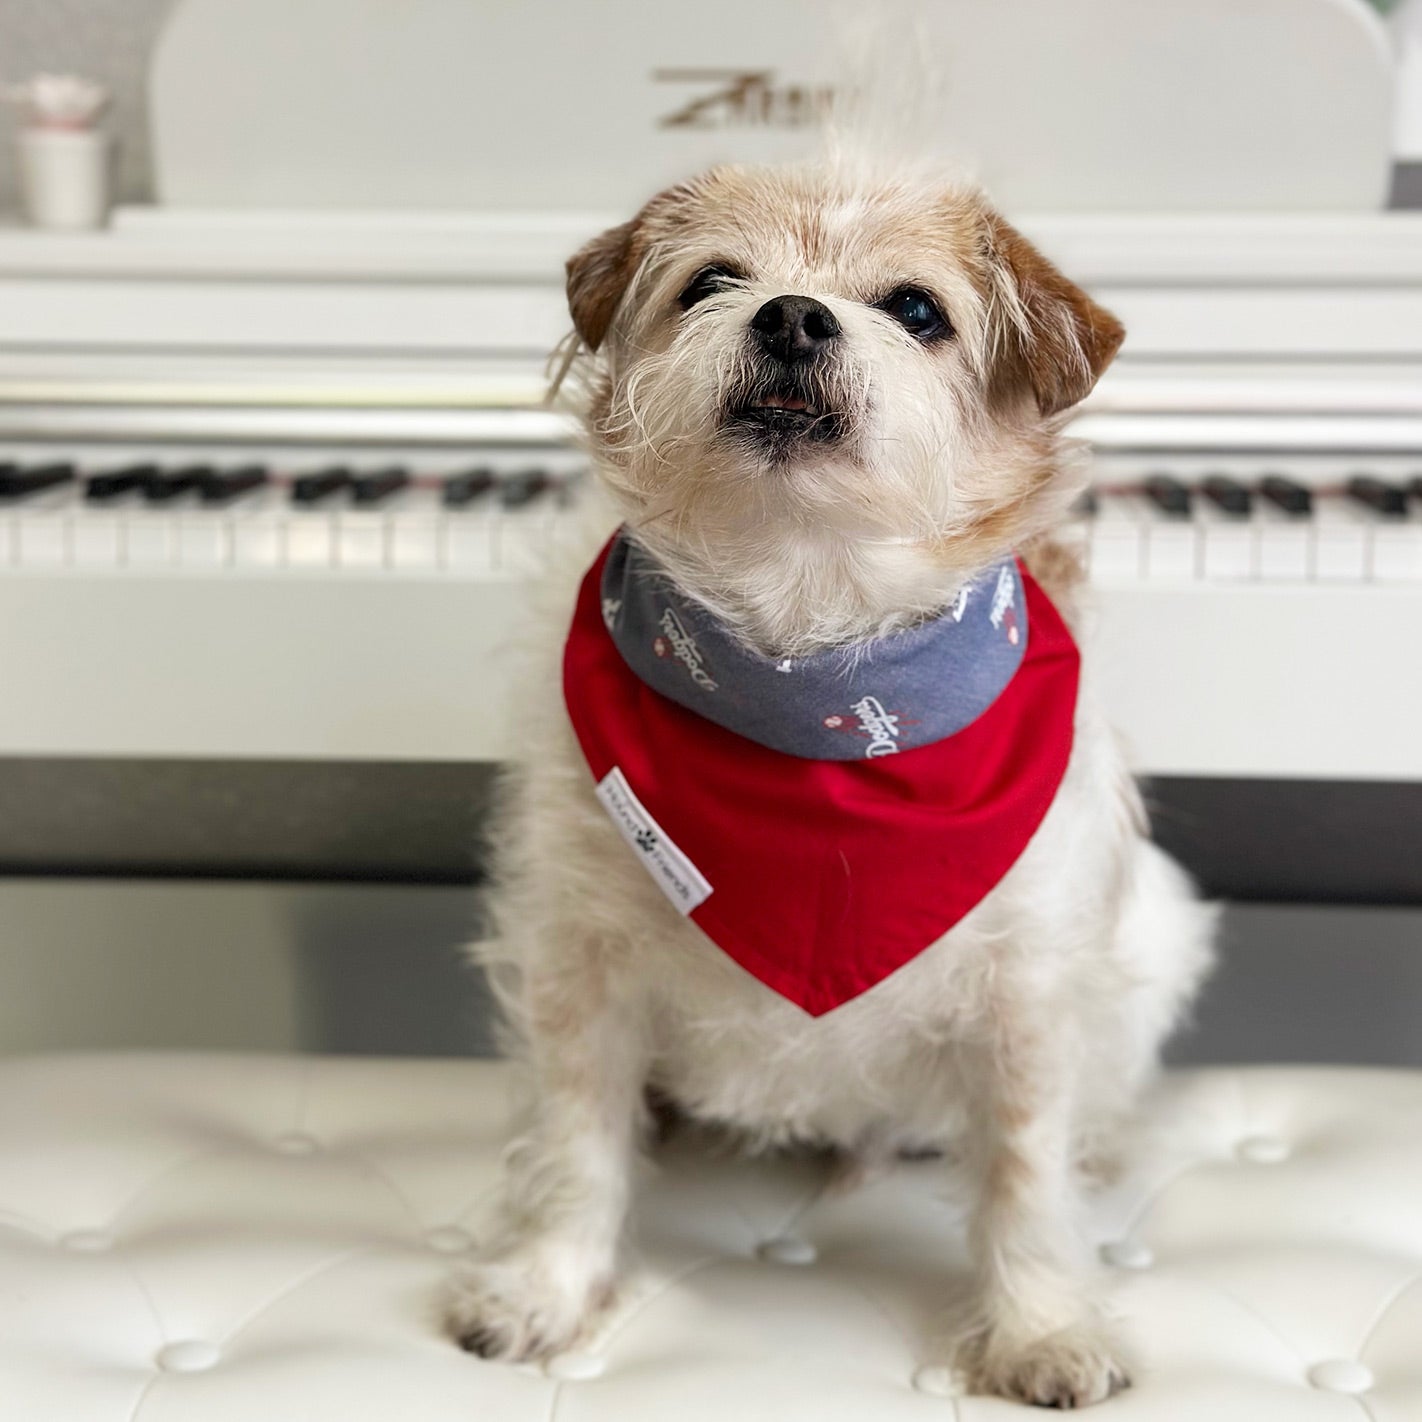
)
(297, 1143)
(788, 1250)
(189, 1355)
(87, 1241)
(1127, 1254)
(449, 1239)
(1341, 1375)
(575, 1367)
(936, 1381)
(1262, 1150)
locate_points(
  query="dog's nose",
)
(794, 327)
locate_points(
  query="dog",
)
(822, 403)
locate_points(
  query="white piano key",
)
(204, 540)
(310, 539)
(1227, 546)
(38, 534)
(522, 538)
(469, 541)
(1284, 543)
(1342, 539)
(257, 544)
(361, 539)
(415, 531)
(1397, 550)
(1170, 548)
(148, 540)
(256, 529)
(96, 539)
(43, 541)
(1117, 539)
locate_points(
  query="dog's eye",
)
(916, 312)
(707, 282)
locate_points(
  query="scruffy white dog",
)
(823, 404)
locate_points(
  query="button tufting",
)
(297, 1143)
(575, 1367)
(87, 1241)
(788, 1250)
(278, 1251)
(449, 1239)
(1127, 1254)
(1262, 1150)
(936, 1381)
(1341, 1375)
(188, 1355)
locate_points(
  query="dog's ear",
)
(1053, 338)
(598, 275)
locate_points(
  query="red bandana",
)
(821, 877)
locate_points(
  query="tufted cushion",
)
(251, 1239)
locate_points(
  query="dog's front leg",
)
(548, 1262)
(1037, 1331)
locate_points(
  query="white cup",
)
(64, 176)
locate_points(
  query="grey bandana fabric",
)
(876, 698)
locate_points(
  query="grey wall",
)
(107, 40)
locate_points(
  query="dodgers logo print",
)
(676, 641)
(877, 725)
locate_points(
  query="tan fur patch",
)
(1066, 341)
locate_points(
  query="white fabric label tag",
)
(675, 875)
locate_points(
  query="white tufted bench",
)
(255, 1239)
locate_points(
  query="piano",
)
(273, 480)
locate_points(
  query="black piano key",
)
(1168, 495)
(116, 482)
(1414, 487)
(522, 487)
(312, 488)
(462, 489)
(1390, 500)
(221, 486)
(1228, 495)
(370, 489)
(1285, 494)
(164, 485)
(17, 482)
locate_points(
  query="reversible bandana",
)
(822, 819)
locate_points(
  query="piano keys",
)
(1239, 527)
(1183, 527)
(254, 519)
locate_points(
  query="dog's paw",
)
(1074, 1367)
(516, 1309)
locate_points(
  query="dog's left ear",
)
(1057, 340)
(598, 275)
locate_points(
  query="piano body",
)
(274, 475)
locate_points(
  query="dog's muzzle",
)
(784, 399)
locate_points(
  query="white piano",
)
(273, 477)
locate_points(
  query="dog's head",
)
(793, 353)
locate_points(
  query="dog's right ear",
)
(598, 277)
(600, 273)
(1059, 340)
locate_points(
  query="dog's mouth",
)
(779, 415)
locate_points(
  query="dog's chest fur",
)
(726, 1048)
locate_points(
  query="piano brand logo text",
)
(743, 98)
